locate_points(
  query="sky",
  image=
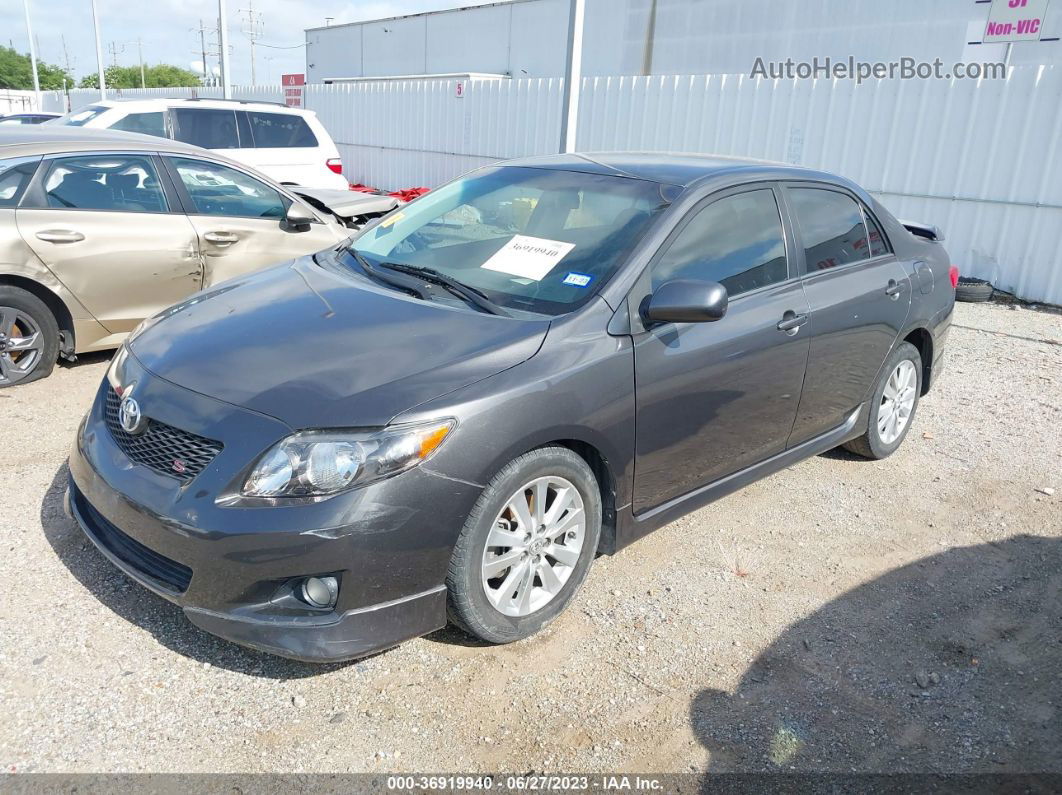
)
(169, 30)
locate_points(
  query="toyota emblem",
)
(129, 416)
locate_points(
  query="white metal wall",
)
(981, 159)
(12, 101)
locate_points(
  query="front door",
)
(714, 398)
(240, 220)
(104, 225)
(860, 295)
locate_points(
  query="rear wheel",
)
(526, 547)
(29, 337)
(892, 409)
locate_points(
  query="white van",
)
(288, 144)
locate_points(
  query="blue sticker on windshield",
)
(578, 279)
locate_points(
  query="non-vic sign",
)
(1015, 20)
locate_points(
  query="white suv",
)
(288, 144)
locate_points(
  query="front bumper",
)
(230, 568)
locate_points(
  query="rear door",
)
(714, 398)
(113, 232)
(860, 295)
(240, 219)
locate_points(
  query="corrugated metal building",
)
(526, 38)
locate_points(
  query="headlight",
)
(322, 463)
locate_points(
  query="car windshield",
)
(529, 239)
(81, 116)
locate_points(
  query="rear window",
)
(280, 131)
(82, 116)
(206, 127)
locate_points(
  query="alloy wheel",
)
(897, 402)
(534, 546)
(21, 345)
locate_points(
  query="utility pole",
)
(573, 76)
(33, 57)
(115, 49)
(202, 45)
(140, 53)
(223, 46)
(253, 31)
(99, 52)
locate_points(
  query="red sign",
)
(293, 84)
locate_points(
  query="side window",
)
(15, 174)
(879, 246)
(143, 123)
(210, 129)
(119, 183)
(736, 241)
(831, 224)
(280, 130)
(219, 190)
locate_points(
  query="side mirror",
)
(297, 219)
(687, 301)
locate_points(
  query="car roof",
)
(198, 102)
(48, 138)
(672, 168)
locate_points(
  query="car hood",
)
(346, 203)
(317, 349)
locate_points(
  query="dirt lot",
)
(842, 615)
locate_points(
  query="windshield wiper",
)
(376, 273)
(475, 297)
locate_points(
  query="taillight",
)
(335, 165)
(953, 274)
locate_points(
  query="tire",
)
(23, 316)
(973, 291)
(468, 604)
(877, 443)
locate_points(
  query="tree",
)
(16, 72)
(158, 76)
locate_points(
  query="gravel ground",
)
(841, 615)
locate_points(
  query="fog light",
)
(319, 591)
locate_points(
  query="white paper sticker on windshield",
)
(528, 257)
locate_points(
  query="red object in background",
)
(293, 84)
(953, 274)
(407, 195)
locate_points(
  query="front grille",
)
(161, 447)
(169, 574)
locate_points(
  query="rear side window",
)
(736, 241)
(879, 246)
(119, 183)
(831, 224)
(280, 131)
(206, 127)
(143, 123)
(15, 174)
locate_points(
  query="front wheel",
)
(892, 408)
(29, 337)
(526, 547)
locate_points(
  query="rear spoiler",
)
(927, 231)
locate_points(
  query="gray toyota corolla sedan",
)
(454, 413)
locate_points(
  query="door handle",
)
(60, 236)
(221, 238)
(791, 322)
(894, 289)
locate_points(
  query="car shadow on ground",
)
(95, 357)
(948, 665)
(139, 606)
